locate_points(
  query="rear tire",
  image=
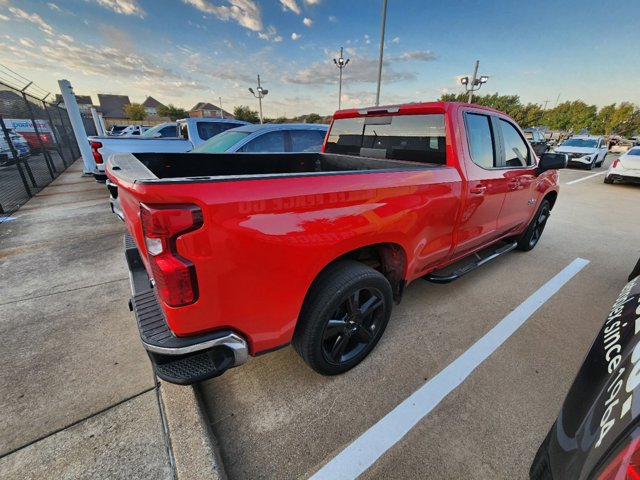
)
(343, 317)
(532, 234)
(608, 180)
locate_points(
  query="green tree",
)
(314, 118)
(280, 120)
(134, 111)
(574, 115)
(617, 120)
(243, 112)
(174, 113)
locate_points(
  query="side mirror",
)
(552, 161)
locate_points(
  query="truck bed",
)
(171, 167)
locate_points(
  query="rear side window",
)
(480, 140)
(417, 138)
(268, 142)
(206, 130)
(515, 148)
(169, 131)
(306, 140)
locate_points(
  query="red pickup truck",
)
(239, 254)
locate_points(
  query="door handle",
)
(478, 189)
(513, 184)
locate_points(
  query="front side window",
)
(515, 148)
(480, 140)
(417, 138)
(268, 142)
(306, 140)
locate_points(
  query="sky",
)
(187, 51)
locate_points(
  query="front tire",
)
(532, 234)
(343, 317)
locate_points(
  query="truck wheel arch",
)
(552, 196)
(388, 258)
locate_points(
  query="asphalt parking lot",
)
(276, 418)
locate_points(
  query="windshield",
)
(221, 142)
(418, 138)
(153, 130)
(580, 142)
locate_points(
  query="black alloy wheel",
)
(353, 326)
(343, 317)
(532, 235)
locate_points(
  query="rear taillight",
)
(625, 465)
(97, 156)
(616, 162)
(175, 276)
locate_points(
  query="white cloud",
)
(333, 19)
(367, 40)
(33, 18)
(125, 7)
(4, 18)
(245, 12)
(395, 40)
(291, 5)
(53, 6)
(295, 36)
(308, 22)
(27, 43)
(417, 55)
(270, 34)
(312, 2)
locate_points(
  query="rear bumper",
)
(181, 360)
(623, 178)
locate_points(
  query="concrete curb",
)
(192, 445)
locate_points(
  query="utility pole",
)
(557, 100)
(221, 111)
(545, 104)
(384, 21)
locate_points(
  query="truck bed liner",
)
(193, 167)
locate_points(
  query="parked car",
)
(621, 146)
(19, 143)
(249, 252)
(626, 168)
(191, 133)
(283, 137)
(584, 150)
(597, 434)
(163, 130)
(537, 140)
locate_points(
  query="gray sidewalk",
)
(78, 396)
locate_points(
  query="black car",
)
(597, 434)
(537, 140)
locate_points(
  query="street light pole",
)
(261, 92)
(384, 21)
(340, 63)
(221, 111)
(475, 83)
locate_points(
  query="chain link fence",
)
(36, 145)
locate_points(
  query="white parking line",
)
(372, 444)
(585, 178)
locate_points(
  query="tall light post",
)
(259, 94)
(384, 22)
(340, 63)
(221, 111)
(475, 83)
